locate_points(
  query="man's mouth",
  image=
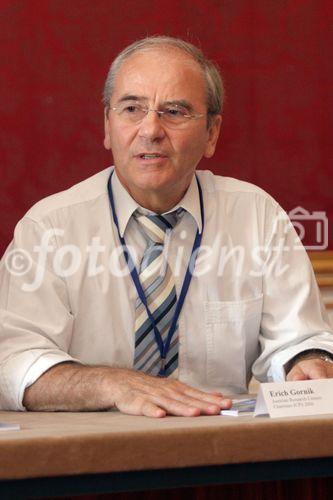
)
(149, 156)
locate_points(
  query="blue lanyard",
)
(163, 347)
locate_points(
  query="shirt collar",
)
(191, 202)
(125, 205)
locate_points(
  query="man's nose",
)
(151, 126)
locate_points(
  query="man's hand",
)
(313, 368)
(136, 393)
(72, 387)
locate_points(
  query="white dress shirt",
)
(253, 302)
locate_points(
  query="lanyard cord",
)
(163, 348)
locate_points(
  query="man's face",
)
(153, 78)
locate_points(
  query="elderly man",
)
(151, 287)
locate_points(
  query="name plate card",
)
(292, 399)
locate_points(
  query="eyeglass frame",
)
(160, 113)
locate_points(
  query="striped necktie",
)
(158, 285)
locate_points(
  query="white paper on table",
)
(241, 408)
(9, 427)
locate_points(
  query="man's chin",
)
(156, 179)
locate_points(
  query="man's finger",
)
(317, 372)
(139, 405)
(175, 407)
(206, 407)
(209, 397)
(296, 374)
(150, 409)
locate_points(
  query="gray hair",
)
(214, 84)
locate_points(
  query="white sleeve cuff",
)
(22, 370)
(277, 373)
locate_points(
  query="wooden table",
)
(72, 453)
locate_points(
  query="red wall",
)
(277, 64)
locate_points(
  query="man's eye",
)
(131, 109)
(175, 112)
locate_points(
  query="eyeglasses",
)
(173, 116)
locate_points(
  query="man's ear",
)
(213, 133)
(107, 140)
